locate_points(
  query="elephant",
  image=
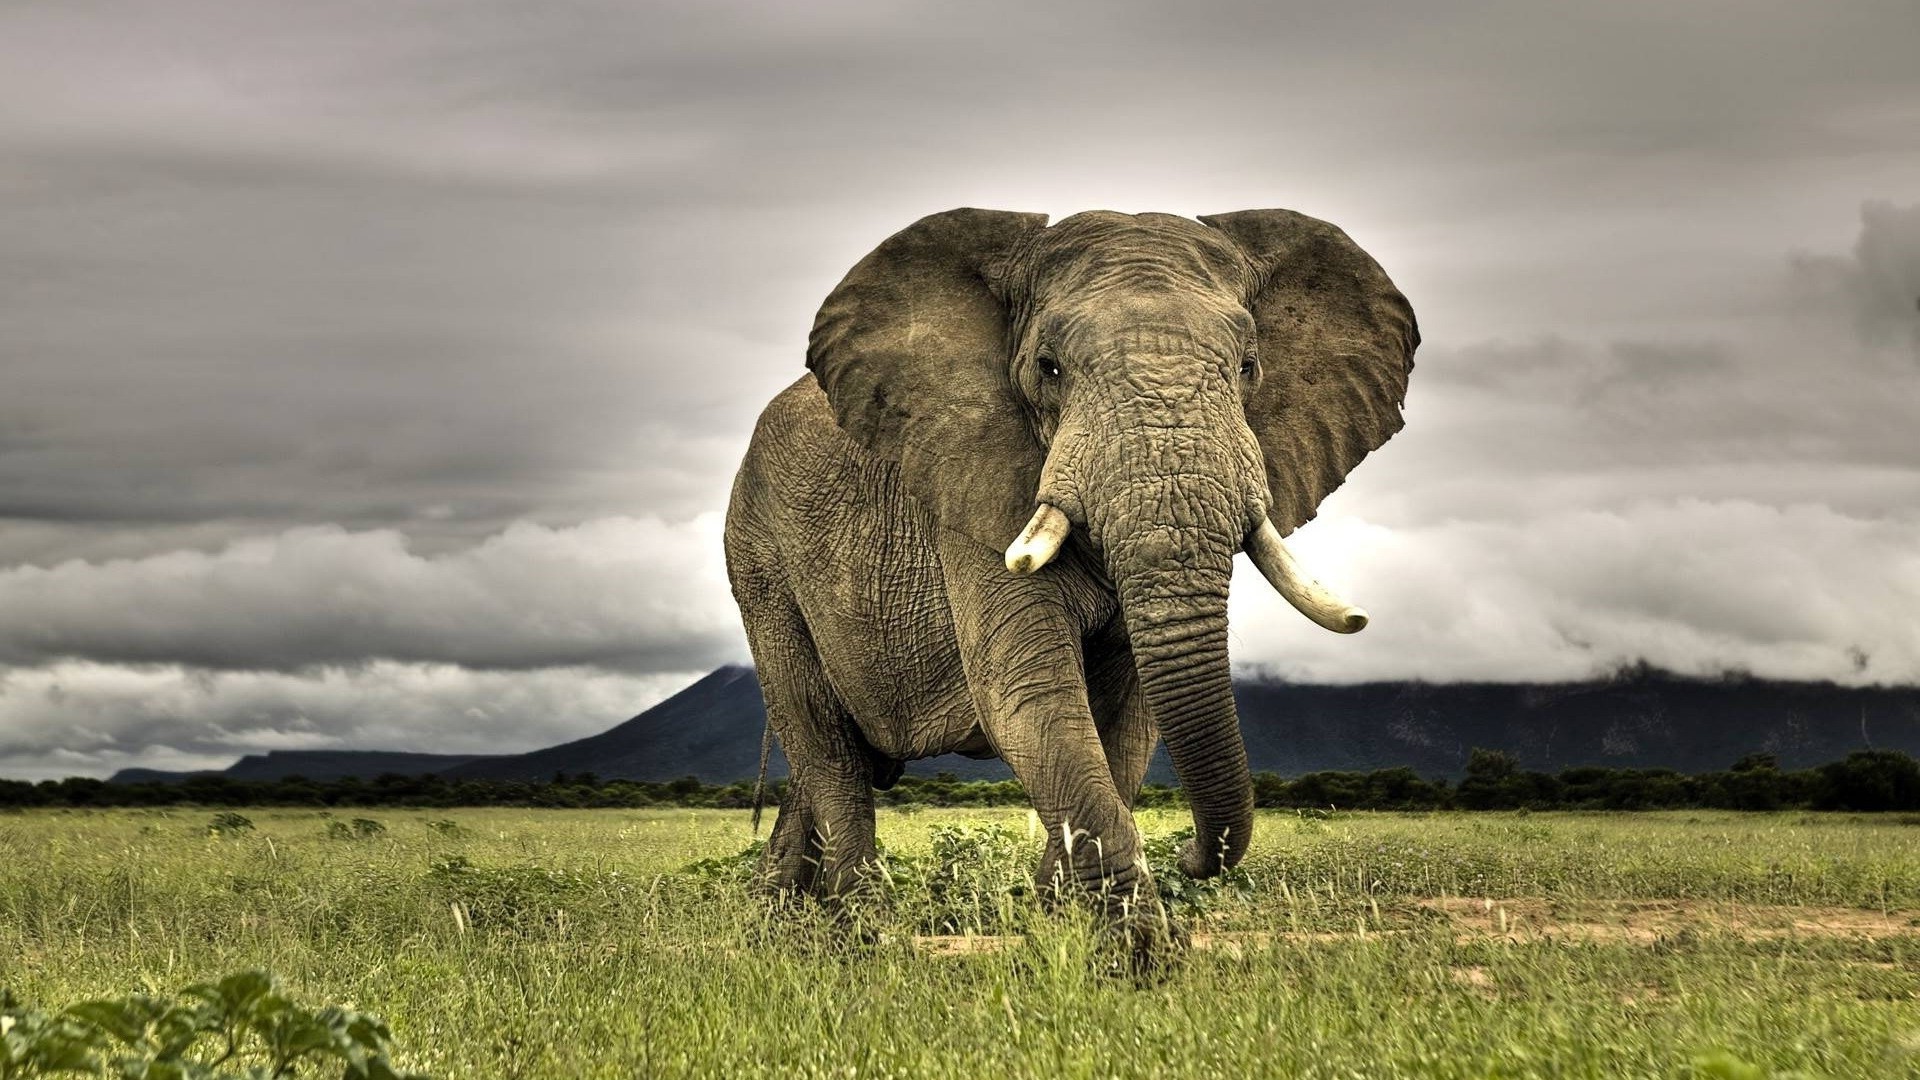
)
(999, 514)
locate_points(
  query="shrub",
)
(1870, 780)
(512, 898)
(243, 1027)
(229, 824)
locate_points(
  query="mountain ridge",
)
(1639, 717)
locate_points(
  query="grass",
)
(521, 943)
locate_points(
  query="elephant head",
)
(1174, 391)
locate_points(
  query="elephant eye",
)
(1049, 368)
(1246, 367)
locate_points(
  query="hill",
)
(1637, 718)
(312, 764)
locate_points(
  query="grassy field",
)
(514, 943)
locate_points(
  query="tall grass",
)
(520, 943)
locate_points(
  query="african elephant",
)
(1128, 400)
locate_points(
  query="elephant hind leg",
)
(823, 838)
(792, 861)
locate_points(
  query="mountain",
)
(1637, 718)
(710, 730)
(312, 764)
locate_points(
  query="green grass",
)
(522, 943)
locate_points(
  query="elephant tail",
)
(760, 784)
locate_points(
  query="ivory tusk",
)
(1311, 598)
(1040, 541)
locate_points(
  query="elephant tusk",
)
(1311, 598)
(1040, 541)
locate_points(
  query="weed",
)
(229, 823)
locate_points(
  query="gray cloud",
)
(1745, 501)
(1879, 284)
(334, 337)
(81, 718)
(618, 593)
(1695, 585)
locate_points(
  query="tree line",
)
(1866, 780)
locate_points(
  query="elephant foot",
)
(1149, 948)
(806, 858)
(1147, 944)
(788, 869)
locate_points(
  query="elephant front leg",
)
(1020, 647)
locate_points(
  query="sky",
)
(372, 375)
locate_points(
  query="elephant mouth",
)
(1049, 527)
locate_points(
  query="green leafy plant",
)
(242, 1027)
(229, 823)
(1184, 895)
(359, 829)
(511, 898)
(979, 879)
(737, 868)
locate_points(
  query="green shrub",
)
(512, 898)
(1185, 896)
(243, 1027)
(229, 823)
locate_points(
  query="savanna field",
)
(610, 943)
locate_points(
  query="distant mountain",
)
(312, 764)
(710, 730)
(1638, 718)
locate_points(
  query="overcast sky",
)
(372, 374)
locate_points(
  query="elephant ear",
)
(1336, 347)
(911, 349)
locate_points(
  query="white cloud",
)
(1556, 508)
(86, 718)
(472, 287)
(632, 594)
(1695, 586)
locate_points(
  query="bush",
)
(243, 1027)
(229, 824)
(519, 899)
(1869, 780)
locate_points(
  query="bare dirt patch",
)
(1646, 922)
(1530, 919)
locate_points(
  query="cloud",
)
(1794, 395)
(348, 339)
(1879, 283)
(620, 594)
(1558, 507)
(85, 718)
(1692, 585)
(296, 263)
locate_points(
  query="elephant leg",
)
(790, 865)
(1126, 733)
(1121, 714)
(1020, 644)
(823, 838)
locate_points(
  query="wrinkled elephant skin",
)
(999, 516)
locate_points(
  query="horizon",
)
(376, 382)
(1636, 672)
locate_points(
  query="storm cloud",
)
(373, 375)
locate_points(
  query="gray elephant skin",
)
(1127, 400)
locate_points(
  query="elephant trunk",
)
(1173, 594)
